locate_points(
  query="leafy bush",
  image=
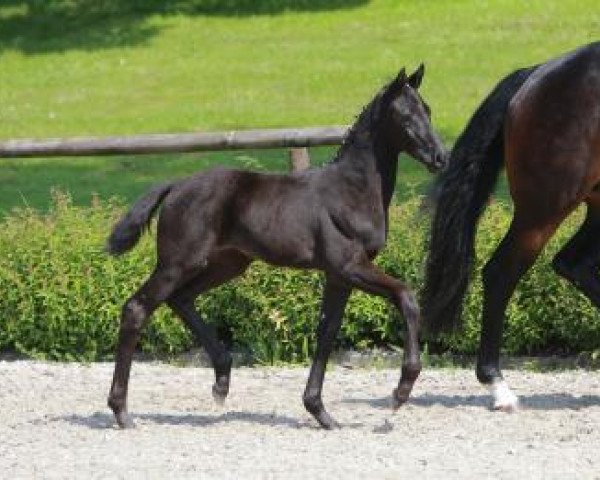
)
(62, 295)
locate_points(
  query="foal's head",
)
(404, 119)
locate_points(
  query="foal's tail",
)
(127, 232)
(460, 196)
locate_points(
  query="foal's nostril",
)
(439, 160)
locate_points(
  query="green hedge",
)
(61, 295)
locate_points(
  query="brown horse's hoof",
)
(507, 408)
(504, 399)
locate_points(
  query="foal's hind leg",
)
(335, 297)
(219, 271)
(579, 259)
(136, 312)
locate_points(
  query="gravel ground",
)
(54, 424)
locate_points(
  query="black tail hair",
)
(127, 231)
(460, 196)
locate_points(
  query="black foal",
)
(214, 224)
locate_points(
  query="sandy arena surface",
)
(54, 424)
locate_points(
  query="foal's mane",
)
(368, 118)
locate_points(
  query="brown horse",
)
(543, 123)
(214, 224)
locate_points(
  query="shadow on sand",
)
(100, 421)
(542, 401)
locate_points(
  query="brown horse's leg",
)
(219, 271)
(579, 258)
(136, 312)
(335, 297)
(363, 275)
(513, 257)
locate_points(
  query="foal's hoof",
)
(314, 406)
(327, 421)
(219, 393)
(124, 420)
(120, 412)
(399, 397)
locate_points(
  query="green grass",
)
(92, 67)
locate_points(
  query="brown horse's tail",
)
(127, 232)
(460, 195)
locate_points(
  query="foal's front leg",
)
(335, 297)
(362, 274)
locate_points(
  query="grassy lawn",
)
(90, 67)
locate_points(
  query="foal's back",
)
(271, 216)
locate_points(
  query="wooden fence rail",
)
(172, 143)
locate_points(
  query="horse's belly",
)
(278, 248)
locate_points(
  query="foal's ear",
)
(417, 77)
(401, 78)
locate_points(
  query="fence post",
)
(299, 159)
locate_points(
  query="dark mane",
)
(367, 119)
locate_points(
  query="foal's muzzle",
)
(437, 161)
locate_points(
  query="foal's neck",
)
(369, 162)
